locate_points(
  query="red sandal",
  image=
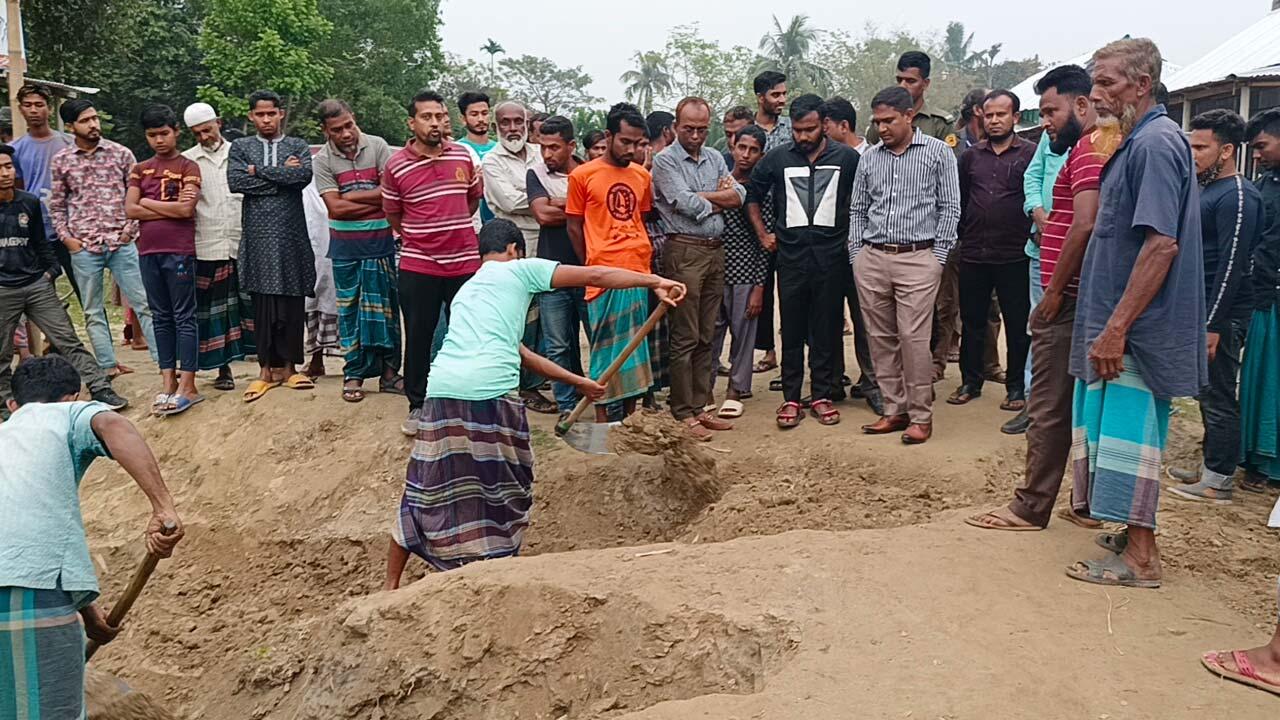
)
(789, 415)
(825, 411)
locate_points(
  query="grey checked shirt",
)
(908, 198)
(677, 180)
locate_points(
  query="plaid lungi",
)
(1118, 435)
(224, 315)
(469, 486)
(615, 316)
(368, 316)
(322, 334)
(41, 655)
(1260, 394)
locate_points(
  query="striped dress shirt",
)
(908, 198)
(431, 196)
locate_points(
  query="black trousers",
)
(1013, 291)
(1220, 404)
(279, 322)
(861, 346)
(421, 298)
(811, 305)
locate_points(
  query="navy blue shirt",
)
(1149, 185)
(1230, 224)
(1266, 257)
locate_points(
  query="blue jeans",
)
(561, 312)
(170, 281)
(123, 264)
(1037, 294)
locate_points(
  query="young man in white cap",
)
(224, 319)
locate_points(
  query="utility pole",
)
(17, 65)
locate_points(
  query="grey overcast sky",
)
(574, 35)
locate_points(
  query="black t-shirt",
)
(25, 254)
(1266, 256)
(810, 203)
(553, 240)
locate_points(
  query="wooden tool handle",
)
(639, 337)
(131, 593)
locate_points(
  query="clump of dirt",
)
(684, 461)
(461, 648)
(109, 698)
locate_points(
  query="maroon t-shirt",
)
(164, 180)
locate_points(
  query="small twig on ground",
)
(655, 552)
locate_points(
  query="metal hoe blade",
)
(591, 438)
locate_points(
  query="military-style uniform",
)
(930, 123)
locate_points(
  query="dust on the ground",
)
(109, 698)
(288, 502)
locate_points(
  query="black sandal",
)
(352, 394)
(963, 395)
(392, 386)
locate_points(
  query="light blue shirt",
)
(1037, 183)
(46, 449)
(480, 358)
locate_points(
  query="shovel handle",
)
(131, 593)
(585, 402)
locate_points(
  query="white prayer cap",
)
(198, 113)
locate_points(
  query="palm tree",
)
(649, 80)
(493, 48)
(957, 46)
(787, 51)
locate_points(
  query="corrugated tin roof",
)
(1255, 47)
(68, 90)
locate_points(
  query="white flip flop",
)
(730, 409)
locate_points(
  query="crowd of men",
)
(1128, 263)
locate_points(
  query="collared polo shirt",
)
(370, 237)
(432, 196)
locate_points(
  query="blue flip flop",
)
(181, 404)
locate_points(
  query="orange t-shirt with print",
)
(611, 201)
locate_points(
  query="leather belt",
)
(894, 249)
(695, 240)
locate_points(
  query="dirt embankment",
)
(270, 608)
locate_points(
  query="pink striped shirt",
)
(431, 196)
(1081, 172)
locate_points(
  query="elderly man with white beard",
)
(506, 170)
(1139, 335)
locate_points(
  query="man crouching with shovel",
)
(469, 485)
(46, 576)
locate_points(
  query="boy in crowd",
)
(162, 197)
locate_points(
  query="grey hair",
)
(498, 108)
(1138, 56)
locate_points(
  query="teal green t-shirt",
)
(480, 358)
(45, 449)
(481, 150)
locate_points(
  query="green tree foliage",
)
(789, 50)
(649, 80)
(381, 52)
(702, 68)
(543, 85)
(136, 53)
(252, 44)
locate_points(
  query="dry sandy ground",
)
(827, 575)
